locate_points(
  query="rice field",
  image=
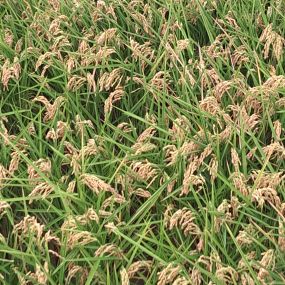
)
(142, 142)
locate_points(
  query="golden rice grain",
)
(235, 159)
(41, 191)
(14, 163)
(70, 64)
(179, 129)
(114, 97)
(264, 179)
(140, 148)
(205, 153)
(7, 74)
(39, 168)
(102, 55)
(96, 184)
(210, 105)
(3, 175)
(40, 276)
(125, 127)
(109, 250)
(246, 279)
(141, 51)
(266, 263)
(196, 277)
(221, 88)
(171, 154)
(91, 83)
(110, 227)
(141, 265)
(281, 233)
(8, 37)
(80, 124)
(159, 82)
(213, 168)
(71, 187)
(91, 148)
(277, 129)
(111, 80)
(141, 193)
(106, 36)
(144, 171)
(51, 109)
(168, 274)
(266, 195)
(227, 211)
(31, 128)
(75, 82)
(239, 56)
(45, 58)
(240, 183)
(272, 39)
(124, 277)
(113, 199)
(4, 206)
(227, 275)
(78, 239)
(48, 237)
(245, 237)
(29, 226)
(58, 133)
(184, 219)
(142, 145)
(76, 270)
(274, 150)
(72, 222)
(190, 179)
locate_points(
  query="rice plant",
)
(142, 142)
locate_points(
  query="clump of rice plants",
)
(142, 142)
